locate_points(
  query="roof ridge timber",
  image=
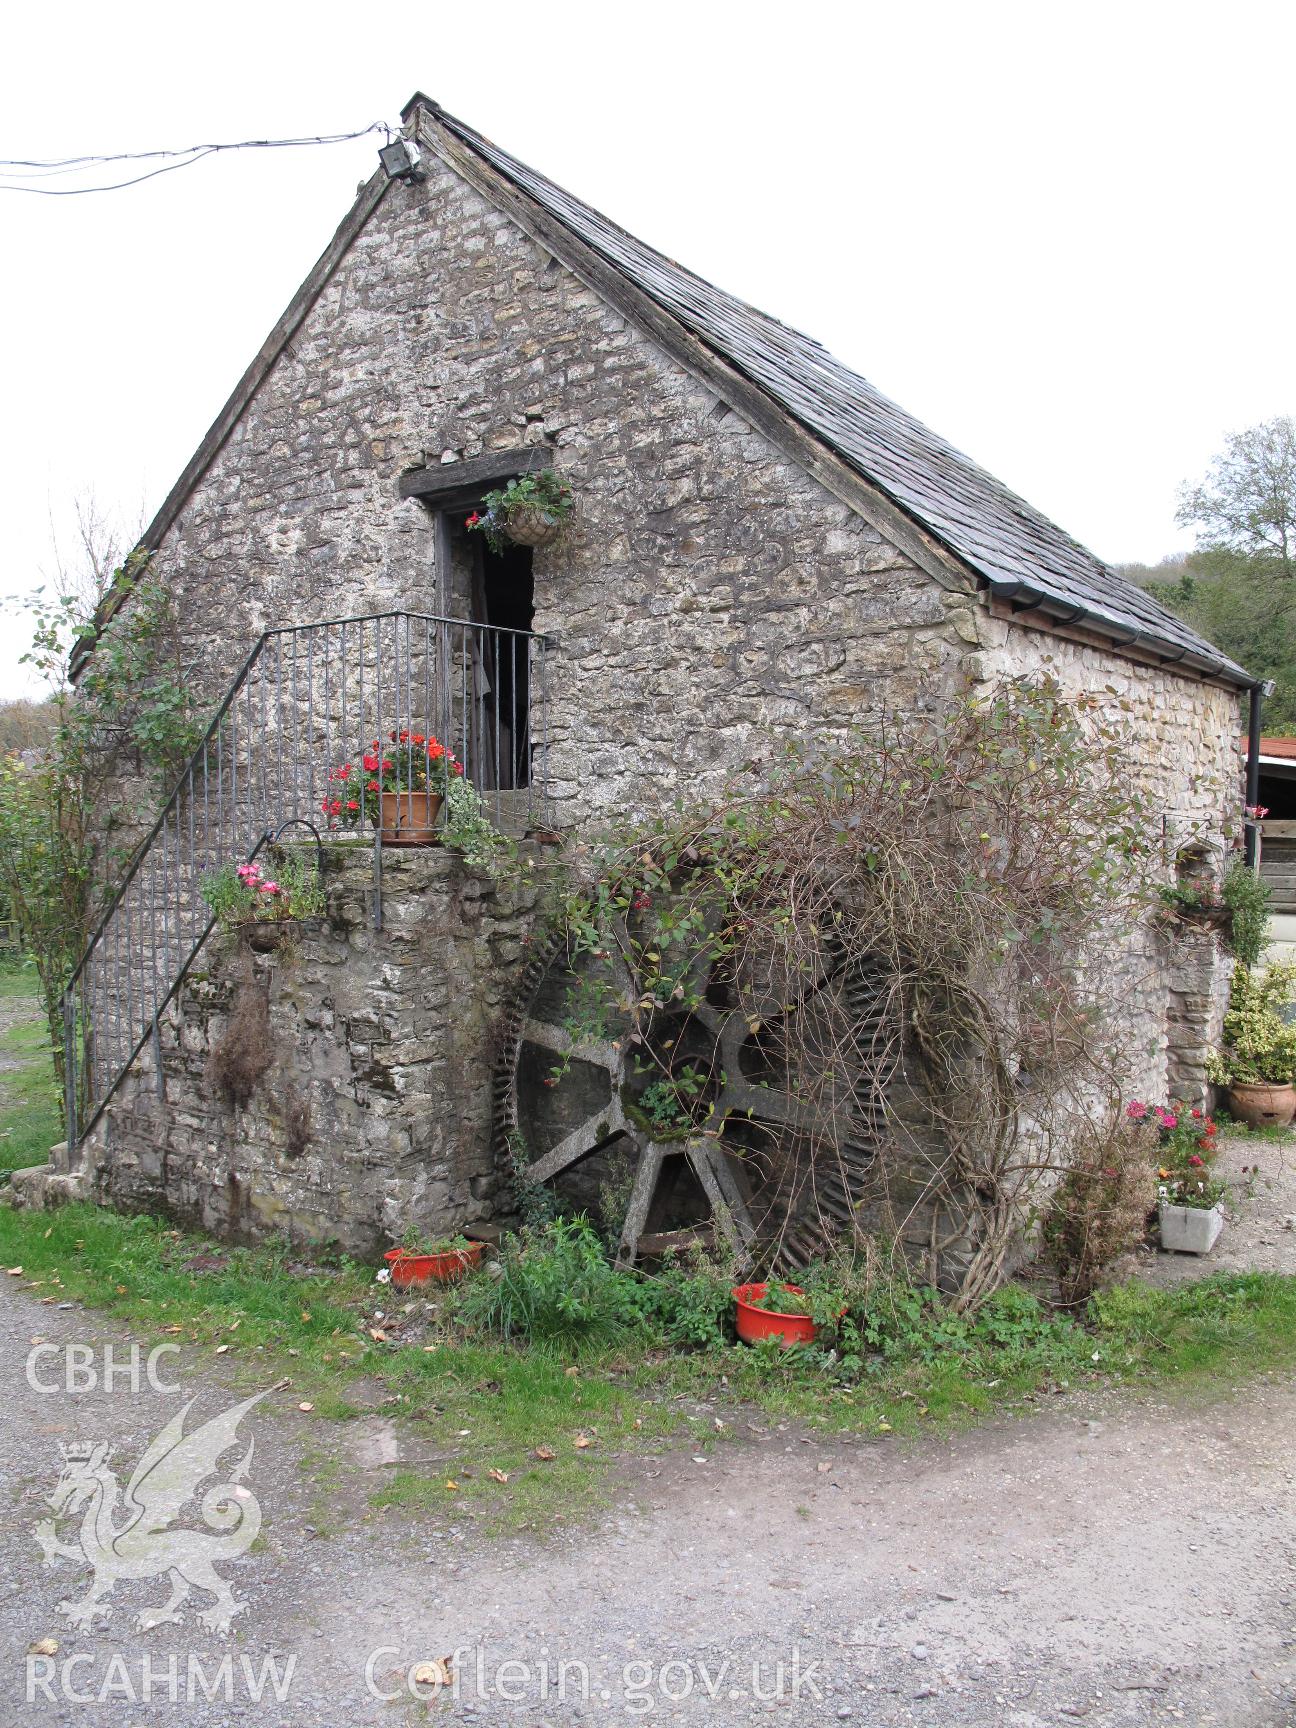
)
(955, 520)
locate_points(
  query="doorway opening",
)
(504, 598)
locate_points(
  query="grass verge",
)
(31, 1114)
(484, 1409)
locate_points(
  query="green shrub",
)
(554, 1285)
(1259, 1044)
(1247, 898)
(692, 1303)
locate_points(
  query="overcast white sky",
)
(1060, 234)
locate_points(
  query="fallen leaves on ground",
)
(438, 1673)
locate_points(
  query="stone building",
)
(764, 548)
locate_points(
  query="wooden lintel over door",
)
(449, 483)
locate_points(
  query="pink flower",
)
(1136, 1111)
(269, 887)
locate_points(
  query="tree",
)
(1237, 588)
(27, 725)
(1247, 502)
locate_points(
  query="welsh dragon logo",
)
(142, 1544)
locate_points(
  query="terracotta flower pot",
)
(528, 525)
(1263, 1106)
(409, 818)
(754, 1323)
(407, 1268)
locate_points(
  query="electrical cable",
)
(48, 168)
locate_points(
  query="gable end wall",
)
(710, 597)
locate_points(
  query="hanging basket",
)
(529, 525)
(268, 935)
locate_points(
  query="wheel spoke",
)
(651, 1158)
(595, 1131)
(727, 1207)
(601, 1052)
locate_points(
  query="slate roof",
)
(1022, 556)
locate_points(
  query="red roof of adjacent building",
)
(1279, 747)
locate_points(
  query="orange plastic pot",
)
(407, 1268)
(754, 1323)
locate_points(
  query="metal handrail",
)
(303, 698)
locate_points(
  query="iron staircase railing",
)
(306, 699)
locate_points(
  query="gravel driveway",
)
(1108, 1562)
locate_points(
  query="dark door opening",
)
(504, 598)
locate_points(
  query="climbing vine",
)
(68, 811)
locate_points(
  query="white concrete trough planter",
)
(1190, 1229)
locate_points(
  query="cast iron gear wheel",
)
(776, 1085)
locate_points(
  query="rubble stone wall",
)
(374, 1109)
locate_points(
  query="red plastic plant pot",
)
(756, 1323)
(407, 1268)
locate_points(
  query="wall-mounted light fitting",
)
(401, 160)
